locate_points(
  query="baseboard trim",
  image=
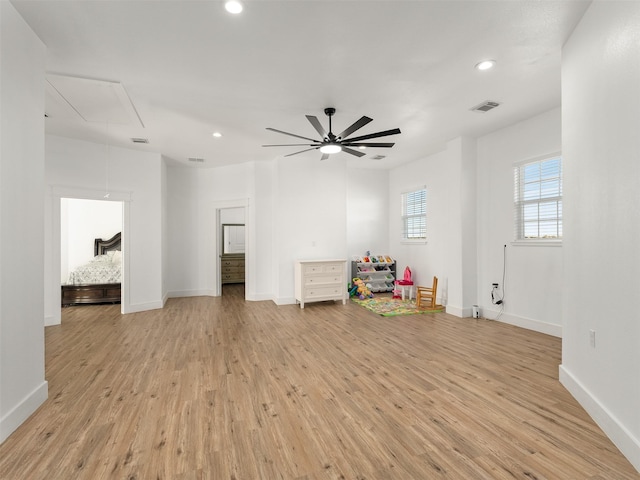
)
(143, 307)
(191, 293)
(457, 311)
(528, 323)
(284, 301)
(259, 297)
(617, 432)
(14, 418)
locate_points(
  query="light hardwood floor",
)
(219, 388)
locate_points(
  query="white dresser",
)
(320, 280)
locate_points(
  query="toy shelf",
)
(379, 275)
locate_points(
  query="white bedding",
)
(102, 269)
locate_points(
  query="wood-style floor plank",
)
(220, 388)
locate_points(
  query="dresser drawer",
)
(313, 268)
(232, 263)
(312, 280)
(323, 291)
(232, 269)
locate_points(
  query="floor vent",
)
(485, 106)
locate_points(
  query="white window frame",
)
(408, 214)
(523, 189)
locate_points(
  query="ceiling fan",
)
(331, 143)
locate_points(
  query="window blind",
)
(414, 215)
(538, 199)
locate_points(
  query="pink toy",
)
(405, 282)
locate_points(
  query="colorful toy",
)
(360, 289)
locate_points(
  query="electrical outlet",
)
(592, 338)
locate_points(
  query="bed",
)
(98, 281)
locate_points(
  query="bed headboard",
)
(100, 247)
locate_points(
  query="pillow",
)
(101, 259)
(117, 256)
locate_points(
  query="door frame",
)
(57, 194)
(248, 253)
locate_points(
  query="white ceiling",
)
(190, 68)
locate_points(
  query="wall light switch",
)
(592, 338)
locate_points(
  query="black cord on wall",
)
(495, 299)
(504, 271)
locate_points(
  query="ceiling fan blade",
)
(316, 124)
(324, 156)
(395, 131)
(293, 135)
(295, 145)
(353, 152)
(295, 153)
(357, 125)
(368, 144)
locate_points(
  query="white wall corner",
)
(456, 311)
(23, 410)
(141, 307)
(284, 300)
(51, 320)
(616, 431)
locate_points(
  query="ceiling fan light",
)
(233, 7)
(485, 65)
(331, 148)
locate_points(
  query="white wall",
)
(75, 169)
(368, 212)
(601, 143)
(297, 210)
(449, 215)
(82, 221)
(533, 292)
(193, 196)
(22, 384)
(310, 216)
(232, 215)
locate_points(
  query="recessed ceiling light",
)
(485, 65)
(362, 147)
(217, 134)
(233, 7)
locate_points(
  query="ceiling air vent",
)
(140, 140)
(378, 157)
(196, 160)
(485, 106)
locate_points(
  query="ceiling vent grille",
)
(140, 140)
(485, 106)
(196, 160)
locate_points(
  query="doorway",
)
(232, 243)
(53, 260)
(90, 251)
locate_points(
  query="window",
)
(414, 215)
(538, 199)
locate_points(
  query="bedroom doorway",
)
(90, 251)
(232, 234)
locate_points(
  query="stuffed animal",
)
(360, 289)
